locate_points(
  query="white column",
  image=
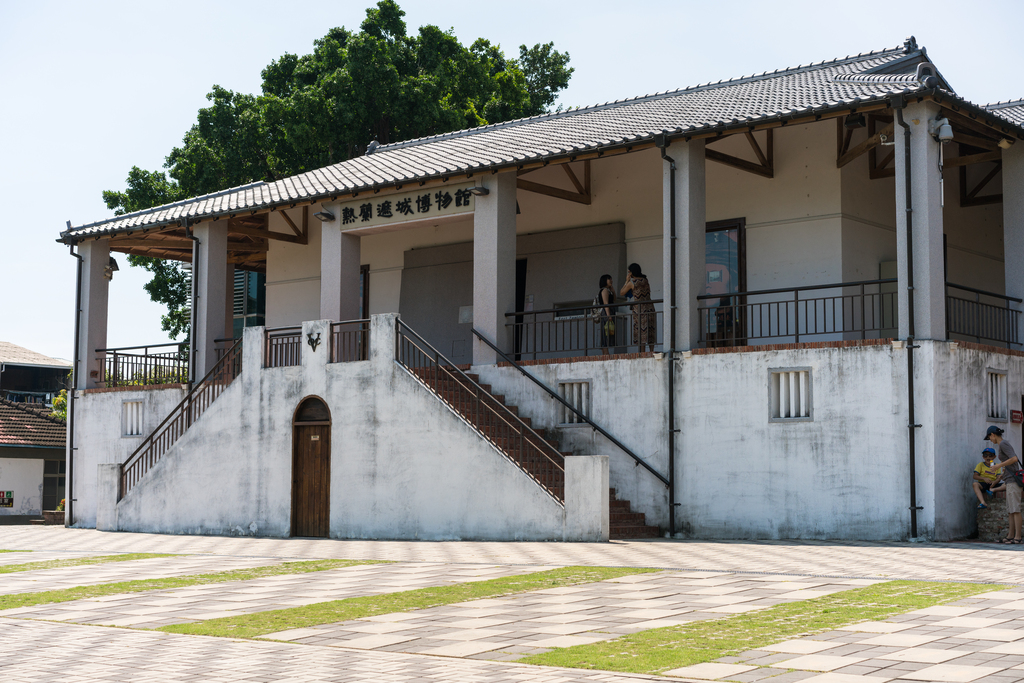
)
(229, 301)
(494, 264)
(339, 270)
(690, 226)
(926, 193)
(1013, 224)
(210, 292)
(93, 331)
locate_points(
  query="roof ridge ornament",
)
(910, 44)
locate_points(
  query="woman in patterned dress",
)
(645, 321)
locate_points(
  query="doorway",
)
(725, 253)
(311, 469)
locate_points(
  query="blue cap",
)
(989, 451)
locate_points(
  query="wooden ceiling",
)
(248, 240)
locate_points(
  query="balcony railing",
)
(282, 347)
(350, 341)
(981, 316)
(845, 310)
(578, 331)
(143, 365)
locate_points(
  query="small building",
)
(831, 315)
(32, 461)
(30, 377)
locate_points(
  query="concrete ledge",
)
(586, 498)
(133, 387)
(848, 343)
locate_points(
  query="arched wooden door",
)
(311, 469)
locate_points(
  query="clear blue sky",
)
(91, 89)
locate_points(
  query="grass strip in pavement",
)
(14, 551)
(102, 589)
(262, 623)
(657, 650)
(76, 562)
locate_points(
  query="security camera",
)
(941, 130)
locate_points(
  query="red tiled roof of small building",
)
(30, 424)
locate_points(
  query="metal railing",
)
(985, 316)
(180, 419)
(580, 416)
(142, 365)
(555, 332)
(851, 310)
(350, 341)
(282, 347)
(491, 419)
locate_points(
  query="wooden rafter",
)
(870, 143)
(290, 222)
(880, 168)
(581, 195)
(967, 122)
(970, 197)
(972, 159)
(766, 159)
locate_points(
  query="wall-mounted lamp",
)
(325, 216)
(110, 269)
(854, 121)
(479, 191)
(1005, 143)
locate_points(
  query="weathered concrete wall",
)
(24, 477)
(99, 438)
(403, 465)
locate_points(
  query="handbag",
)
(597, 307)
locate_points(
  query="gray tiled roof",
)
(1012, 111)
(837, 84)
(12, 354)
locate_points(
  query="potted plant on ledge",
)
(55, 516)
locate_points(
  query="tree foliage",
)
(378, 83)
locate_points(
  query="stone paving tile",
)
(924, 561)
(150, 609)
(40, 652)
(562, 617)
(130, 570)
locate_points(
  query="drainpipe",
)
(69, 490)
(898, 104)
(662, 142)
(192, 346)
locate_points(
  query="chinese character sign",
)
(402, 207)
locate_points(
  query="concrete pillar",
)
(229, 301)
(108, 485)
(210, 292)
(926, 193)
(93, 332)
(587, 510)
(1013, 225)
(494, 264)
(339, 270)
(690, 228)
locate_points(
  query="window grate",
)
(790, 394)
(576, 394)
(131, 418)
(997, 400)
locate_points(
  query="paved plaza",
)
(977, 640)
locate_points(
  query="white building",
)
(782, 219)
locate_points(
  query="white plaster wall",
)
(293, 274)
(840, 476)
(403, 465)
(23, 476)
(98, 438)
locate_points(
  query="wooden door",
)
(311, 473)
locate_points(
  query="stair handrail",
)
(185, 407)
(600, 430)
(515, 419)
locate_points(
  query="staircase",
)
(533, 450)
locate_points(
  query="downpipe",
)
(69, 490)
(898, 104)
(662, 142)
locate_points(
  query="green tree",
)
(379, 83)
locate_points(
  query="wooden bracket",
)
(970, 197)
(872, 141)
(880, 168)
(290, 222)
(766, 159)
(581, 195)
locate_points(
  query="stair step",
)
(635, 532)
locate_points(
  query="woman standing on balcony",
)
(645, 321)
(606, 319)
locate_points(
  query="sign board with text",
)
(6, 499)
(421, 204)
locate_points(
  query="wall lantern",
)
(110, 269)
(325, 216)
(479, 191)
